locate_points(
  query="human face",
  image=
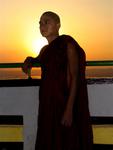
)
(48, 27)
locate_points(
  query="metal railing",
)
(88, 63)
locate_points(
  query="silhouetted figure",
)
(63, 118)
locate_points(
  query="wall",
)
(24, 101)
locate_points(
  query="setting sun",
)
(89, 22)
(37, 44)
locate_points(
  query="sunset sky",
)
(90, 22)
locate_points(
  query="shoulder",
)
(67, 37)
(72, 43)
(69, 40)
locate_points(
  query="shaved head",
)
(52, 15)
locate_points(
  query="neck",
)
(51, 38)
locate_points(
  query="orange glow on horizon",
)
(89, 22)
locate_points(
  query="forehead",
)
(46, 18)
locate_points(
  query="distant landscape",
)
(98, 72)
(91, 72)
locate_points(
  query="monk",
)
(63, 116)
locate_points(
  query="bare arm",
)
(72, 78)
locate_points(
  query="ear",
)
(58, 25)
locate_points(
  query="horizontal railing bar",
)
(100, 63)
(11, 65)
(15, 65)
(88, 63)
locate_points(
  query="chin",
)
(44, 35)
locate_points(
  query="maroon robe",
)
(53, 96)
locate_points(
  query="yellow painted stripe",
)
(11, 133)
(103, 134)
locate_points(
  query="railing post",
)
(29, 73)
